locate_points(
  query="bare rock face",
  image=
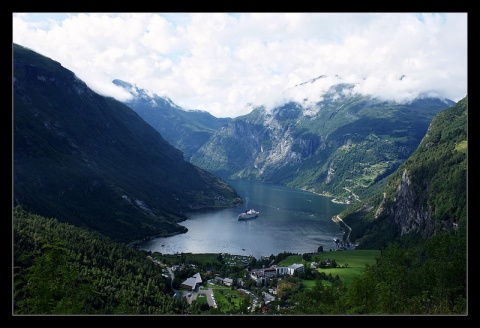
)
(408, 213)
(341, 146)
(428, 194)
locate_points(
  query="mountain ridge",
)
(186, 130)
(314, 148)
(93, 161)
(304, 145)
(426, 195)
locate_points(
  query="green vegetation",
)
(434, 186)
(201, 301)
(204, 260)
(291, 259)
(428, 279)
(76, 158)
(92, 161)
(344, 147)
(349, 263)
(309, 284)
(230, 300)
(62, 269)
(184, 129)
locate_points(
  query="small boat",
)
(250, 214)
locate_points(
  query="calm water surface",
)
(290, 220)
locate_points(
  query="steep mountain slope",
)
(92, 161)
(60, 269)
(342, 146)
(186, 130)
(426, 195)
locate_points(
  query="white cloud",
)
(220, 62)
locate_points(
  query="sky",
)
(228, 63)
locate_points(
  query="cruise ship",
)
(250, 214)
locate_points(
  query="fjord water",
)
(290, 220)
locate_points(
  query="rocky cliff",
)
(427, 194)
(341, 146)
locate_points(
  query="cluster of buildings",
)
(258, 275)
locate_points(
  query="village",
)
(191, 288)
(248, 282)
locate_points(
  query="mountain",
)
(92, 161)
(186, 130)
(344, 145)
(61, 269)
(426, 195)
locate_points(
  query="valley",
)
(92, 175)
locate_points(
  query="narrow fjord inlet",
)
(289, 220)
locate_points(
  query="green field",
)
(350, 263)
(229, 300)
(201, 298)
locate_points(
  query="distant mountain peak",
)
(143, 94)
(122, 84)
(317, 78)
(91, 161)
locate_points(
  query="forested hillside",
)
(102, 184)
(426, 195)
(93, 162)
(186, 130)
(420, 223)
(62, 269)
(344, 146)
(428, 279)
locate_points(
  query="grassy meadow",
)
(350, 263)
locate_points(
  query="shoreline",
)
(137, 242)
(338, 220)
(333, 200)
